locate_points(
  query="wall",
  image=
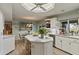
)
(6, 9)
(35, 27)
(1, 23)
(72, 15)
(69, 15)
(37, 24)
(16, 31)
(15, 28)
(1, 31)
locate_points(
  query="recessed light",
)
(29, 18)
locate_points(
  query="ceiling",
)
(18, 12)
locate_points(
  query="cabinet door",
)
(58, 42)
(37, 48)
(75, 48)
(48, 49)
(1, 46)
(66, 44)
(8, 45)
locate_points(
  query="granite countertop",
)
(37, 39)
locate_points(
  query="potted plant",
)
(43, 31)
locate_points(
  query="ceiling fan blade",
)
(33, 8)
(43, 8)
(40, 3)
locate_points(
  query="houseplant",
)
(42, 31)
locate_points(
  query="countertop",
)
(37, 39)
(74, 38)
(67, 36)
(6, 36)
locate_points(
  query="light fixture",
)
(38, 7)
(28, 17)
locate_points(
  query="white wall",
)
(72, 15)
(36, 25)
(15, 28)
(1, 31)
(69, 15)
(1, 23)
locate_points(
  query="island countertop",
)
(37, 39)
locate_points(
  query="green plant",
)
(43, 31)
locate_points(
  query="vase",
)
(42, 36)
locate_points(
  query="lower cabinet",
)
(58, 42)
(74, 48)
(67, 44)
(8, 44)
(41, 48)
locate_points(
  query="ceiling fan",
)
(39, 5)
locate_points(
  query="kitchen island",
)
(40, 46)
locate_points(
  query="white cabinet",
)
(1, 23)
(7, 45)
(58, 42)
(70, 45)
(1, 45)
(66, 44)
(41, 48)
(74, 48)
